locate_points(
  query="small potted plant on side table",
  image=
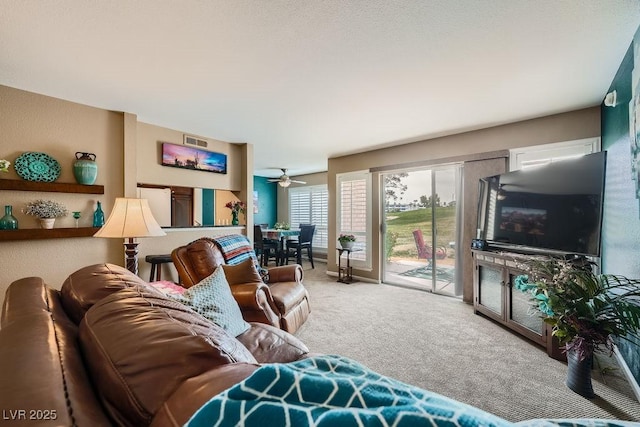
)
(46, 210)
(347, 241)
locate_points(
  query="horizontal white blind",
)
(310, 205)
(354, 214)
(528, 157)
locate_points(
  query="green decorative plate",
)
(34, 166)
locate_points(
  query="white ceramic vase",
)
(346, 244)
(47, 222)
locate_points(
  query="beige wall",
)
(560, 127)
(127, 153)
(148, 143)
(31, 122)
(149, 169)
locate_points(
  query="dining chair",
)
(305, 240)
(264, 247)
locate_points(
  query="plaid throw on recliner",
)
(236, 248)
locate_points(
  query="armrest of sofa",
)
(41, 363)
(256, 303)
(196, 391)
(286, 273)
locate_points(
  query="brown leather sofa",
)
(108, 349)
(283, 302)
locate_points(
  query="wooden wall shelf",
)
(52, 187)
(54, 233)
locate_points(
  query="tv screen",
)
(556, 207)
(182, 156)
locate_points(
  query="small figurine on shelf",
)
(98, 216)
(76, 216)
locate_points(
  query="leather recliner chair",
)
(283, 302)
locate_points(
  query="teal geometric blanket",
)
(333, 391)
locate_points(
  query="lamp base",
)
(131, 255)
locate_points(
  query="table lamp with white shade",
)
(130, 218)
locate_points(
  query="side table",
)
(345, 274)
(156, 267)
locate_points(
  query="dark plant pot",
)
(579, 375)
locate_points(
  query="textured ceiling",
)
(305, 80)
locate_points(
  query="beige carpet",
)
(439, 344)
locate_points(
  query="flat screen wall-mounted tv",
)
(185, 157)
(555, 208)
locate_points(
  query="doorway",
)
(419, 228)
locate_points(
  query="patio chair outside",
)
(426, 251)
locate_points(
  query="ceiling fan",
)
(284, 180)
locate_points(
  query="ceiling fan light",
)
(284, 184)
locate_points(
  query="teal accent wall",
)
(621, 221)
(267, 201)
(208, 209)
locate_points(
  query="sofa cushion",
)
(143, 345)
(244, 272)
(212, 298)
(90, 284)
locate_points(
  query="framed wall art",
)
(180, 156)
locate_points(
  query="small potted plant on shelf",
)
(347, 241)
(4, 165)
(587, 311)
(46, 210)
(235, 206)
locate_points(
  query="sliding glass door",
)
(419, 228)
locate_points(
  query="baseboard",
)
(355, 278)
(627, 372)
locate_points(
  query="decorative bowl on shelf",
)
(35, 166)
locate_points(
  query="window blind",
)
(310, 205)
(354, 214)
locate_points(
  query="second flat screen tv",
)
(182, 156)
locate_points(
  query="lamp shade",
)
(284, 183)
(130, 218)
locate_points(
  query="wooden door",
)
(181, 206)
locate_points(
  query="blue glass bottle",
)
(98, 216)
(8, 221)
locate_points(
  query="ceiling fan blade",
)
(298, 182)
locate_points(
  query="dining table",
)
(280, 235)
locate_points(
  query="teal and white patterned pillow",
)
(212, 298)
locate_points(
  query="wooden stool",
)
(156, 267)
